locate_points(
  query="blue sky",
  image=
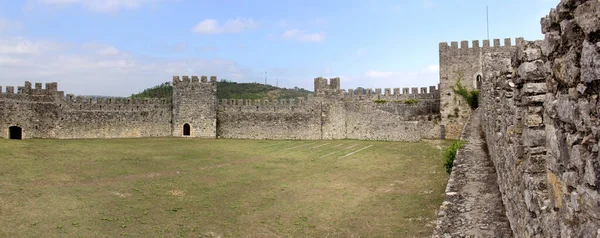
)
(120, 47)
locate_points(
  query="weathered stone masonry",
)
(47, 113)
(333, 114)
(464, 64)
(541, 125)
(542, 129)
(194, 111)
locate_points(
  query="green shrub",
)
(450, 155)
(471, 96)
(378, 101)
(411, 101)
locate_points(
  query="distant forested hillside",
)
(231, 90)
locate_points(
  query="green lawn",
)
(176, 187)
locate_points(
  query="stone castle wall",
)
(541, 125)
(392, 121)
(283, 119)
(330, 114)
(47, 113)
(464, 63)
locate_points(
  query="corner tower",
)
(464, 63)
(194, 107)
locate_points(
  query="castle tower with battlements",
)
(464, 63)
(194, 107)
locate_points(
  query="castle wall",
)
(255, 119)
(194, 103)
(395, 94)
(331, 114)
(113, 118)
(541, 105)
(391, 121)
(32, 109)
(47, 113)
(464, 63)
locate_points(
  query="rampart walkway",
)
(473, 204)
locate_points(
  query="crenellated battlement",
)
(119, 104)
(185, 80)
(50, 89)
(194, 111)
(253, 105)
(464, 45)
(430, 92)
(323, 87)
(261, 102)
(70, 98)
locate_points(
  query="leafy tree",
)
(231, 90)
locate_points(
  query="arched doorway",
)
(186, 129)
(15, 133)
(478, 81)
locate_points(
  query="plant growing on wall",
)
(411, 101)
(471, 96)
(450, 155)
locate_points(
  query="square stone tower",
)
(194, 107)
(464, 63)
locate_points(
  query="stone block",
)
(570, 32)
(590, 62)
(534, 99)
(533, 120)
(535, 110)
(586, 16)
(565, 109)
(533, 137)
(532, 70)
(565, 68)
(535, 88)
(550, 43)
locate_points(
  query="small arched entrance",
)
(15, 133)
(478, 81)
(186, 129)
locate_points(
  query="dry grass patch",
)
(220, 188)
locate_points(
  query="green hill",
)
(231, 90)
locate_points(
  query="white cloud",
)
(22, 46)
(433, 68)
(100, 6)
(6, 24)
(299, 35)
(317, 21)
(99, 69)
(100, 49)
(212, 26)
(428, 76)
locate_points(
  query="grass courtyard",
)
(176, 187)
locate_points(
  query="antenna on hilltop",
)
(265, 77)
(487, 21)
